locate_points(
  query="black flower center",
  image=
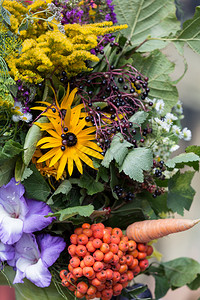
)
(69, 139)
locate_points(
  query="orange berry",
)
(130, 275)
(98, 233)
(109, 229)
(86, 226)
(97, 243)
(81, 250)
(149, 250)
(78, 230)
(117, 288)
(72, 287)
(89, 260)
(141, 255)
(90, 246)
(109, 274)
(142, 247)
(75, 262)
(143, 264)
(63, 274)
(91, 238)
(73, 239)
(71, 278)
(98, 255)
(113, 248)
(88, 272)
(91, 290)
(134, 264)
(101, 287)
(116, 267)
(129, 260)
(123, 260)
(98, 266)
(82, 287)
(82, 239)
(88, 232)
(108, 257)
(101, 275)
(78, 272)
(115, 239)
(108, 284)
(123, 246)
(107, 293)
(78, 294)
(136, 270)
(124, 278)
(98, 294)
(106, 237)
(115, 259)
(65, 282)
(82, 264)
(123, 269)
(72, 250)
(104, 248)
(132, 245)
(96, 282)
(120, 253)
(124, 284)
(124, 238)
(116, 276)
(117, 231)
(134, 253)
(70, 268)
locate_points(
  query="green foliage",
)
(188, 159)
(35, 185)
(137, 161)
(138, 118)
(180, 193)
(69, 212)
(158, 68)
(149, 18)
(194, 149)
(93, 187)
(64, 188)
(134, 292)
(195, 284)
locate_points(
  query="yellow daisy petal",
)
(51, 145)
(62, 165)
(90, 151)
(85, 158)
(56, 157)
(47, 140)
(80, 126)
(48, 155)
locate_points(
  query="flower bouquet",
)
(89, 117)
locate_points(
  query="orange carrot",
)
(145, 231)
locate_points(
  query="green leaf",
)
(181, 271)
(118, 150)
(27, 172)
(92, 187)
(29, 291)
(162, 286)
(69, 212)
(103, 174)
(137, 161)
(139, 118)
(9, 150)
(19, 169)
(64, 188)
(147, 18)
(157, 67)
(6, 171)
(130, 294)
(195, 284)
(35, 186)
(180, 193)
(194, 149)
(189, 159)
(5, 15)
(190, 34)
(33, 136)
(23, 26)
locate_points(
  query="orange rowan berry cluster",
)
(103, 261)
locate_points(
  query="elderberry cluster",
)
(121, 193)
(158, 169)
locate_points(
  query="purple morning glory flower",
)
(7, 252)
(18, 215)
(33, 256)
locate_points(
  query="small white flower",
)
(163, 124)
(169, 118)
(174, 148)
(177, 131)
(159, 106)
(178, 107)
(26, 117)
(17, 108)
(187, 134)
(16, 118)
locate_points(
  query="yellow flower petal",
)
(62, 165)
(56, 157)
(48, 155)
(90, 152)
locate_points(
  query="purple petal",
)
(11, 198)
(6, 252)
(35, 219)
(10, 230)
(51, 247)
(38, 274)
(19, 277)
(27, 248)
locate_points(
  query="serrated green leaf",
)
(36, 186)
(64, 188)
(33, 136)
(139, 118)
(27, 172)
(157, 67)
(9, 150)
(193, 148)
(147, 18)
(189, 159)
(181, 271)
(93, 187)
(6, 171)
(84, 211)
(180, 192)
(190, 34)
(118, 150)
(137, 161)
